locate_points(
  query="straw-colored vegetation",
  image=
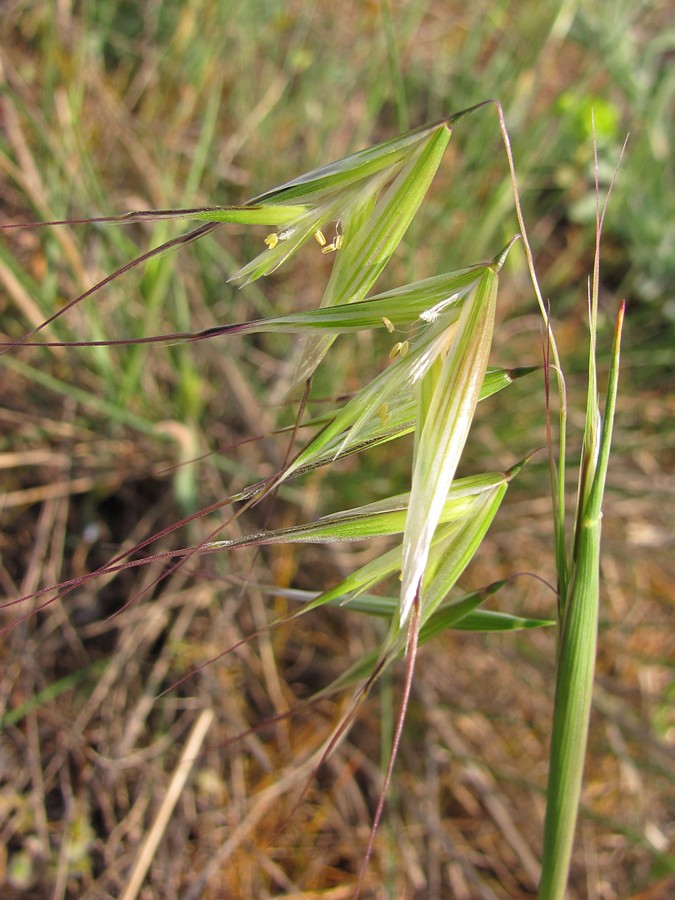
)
(178, 727)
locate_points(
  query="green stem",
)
(574, 688)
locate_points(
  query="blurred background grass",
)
(110, 106)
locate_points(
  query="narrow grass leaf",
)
(445, 618)
(491, 621)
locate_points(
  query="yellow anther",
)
(272, 239)
(335, 244)
(400, 348)
(388, 324)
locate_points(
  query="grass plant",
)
(430, 341)
(370, 199)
